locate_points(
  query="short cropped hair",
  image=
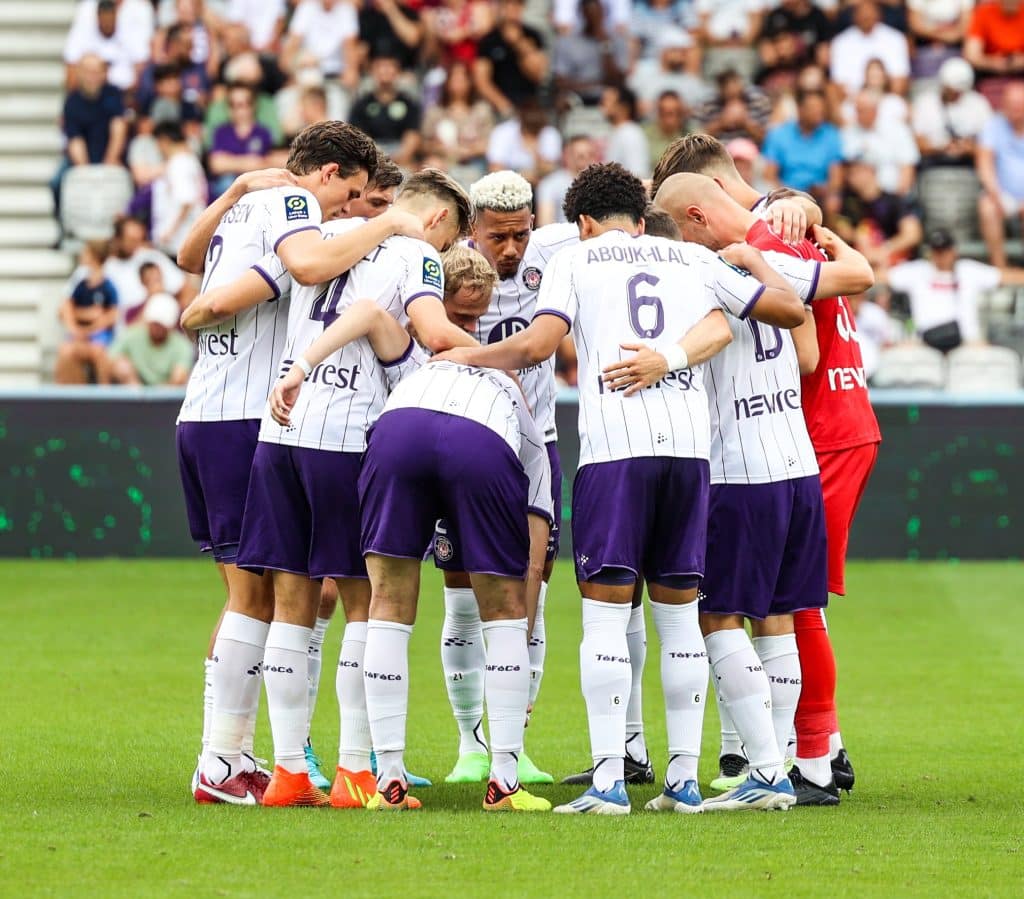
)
(435, 183)
(658, 223)
(465, 267)
(387, 175)
(700, 154)
(603, 191)
(322, 143)
(504, 191)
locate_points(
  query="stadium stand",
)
(983, 370)
(911, 365)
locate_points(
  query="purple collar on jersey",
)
(760, 201)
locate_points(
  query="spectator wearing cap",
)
(511, 63)
(944, 292)
(458, 128)
(263, 20)
(578, 153)
(528, 144)
(995, 38)
(738, 109)
(328, 29)
(806, 153)
(239, 145)
(1000, 164)
(888, 146)
(675, 69)
(652, 18)
(389, 115)
(152, 352)
(390, 28)
(793, 34)
(866, 39)
(937, 30)
(671, 119)
(627, 143)
(583, 62)
(948, 119)
(116, 32)
(884, 226)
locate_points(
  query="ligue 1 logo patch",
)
(443, 549)
(432, 274)
(296, 207)
(531, 278)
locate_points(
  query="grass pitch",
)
(100, 720)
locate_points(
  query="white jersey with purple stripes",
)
(758, 433)
(345, 393)
(490, 398)
(237, 360)
(615, 289)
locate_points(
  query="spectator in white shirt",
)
(579, 152)
(568, 17)
(627, 144)
(866, 39)
(730, 22)
(676, 68)
(179, 194)
(891, 106)
(263, 18)
(527, 144)
(888, 146)
(113, 31)
(876, 329)
(330, 30)
(948, 119)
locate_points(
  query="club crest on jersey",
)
(432, 274)
(296, 207)
(443, 549)
(531, 278)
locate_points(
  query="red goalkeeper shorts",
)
(844, 475)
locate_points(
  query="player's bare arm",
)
(708, 337)
(531, 346)
(805, 339)
(539, 530)
(433, 329)
(313, 260)
(364, 318)
(849, 272)
(192, 254)
(778, 304)
(215, 306)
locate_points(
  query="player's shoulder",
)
(341, 226)
(293, 202)
(549, 239)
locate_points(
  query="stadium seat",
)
(949, 198)
(910, 365)
(91, 196)
(984, 369)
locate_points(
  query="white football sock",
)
(208, 665)
(386, 678)
(835, 743)
(315, 653)
(636, 640)
(781, 663)
(818, 770)
(731, 742)
(462, 660)
(237, 659)
(354, 743)
(538, 647)
(507, 686)
(605, 676)
(684, 680)
(286, 674)
(743, 688)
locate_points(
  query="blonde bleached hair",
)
(465, 267)
(504, 191)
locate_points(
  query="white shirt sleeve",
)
(802, 274)
(300, 21)
(184, 177)
(274, 273)
(424, 276)
(557, 294)
(290, 211)
(731, 288)
(412, 360)
(903, 277)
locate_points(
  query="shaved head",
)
(702, 209)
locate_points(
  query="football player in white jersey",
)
(303, 479)
(640, 495)
(765, 491)
(218, 422)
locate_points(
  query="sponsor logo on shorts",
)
(296, 207)
(532, 277)
(443, 549)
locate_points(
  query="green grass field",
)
(100, 722)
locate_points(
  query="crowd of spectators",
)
(882, 109)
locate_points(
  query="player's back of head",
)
(699, 153)
(322, 143)
(605, 191)
(435, 185)
(658, 223)
(503, 191)
(387, 174)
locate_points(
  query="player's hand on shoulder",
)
(788, 219)
(264, 179)
(460, 355)
(741, 255)
(284, 395)
(632, 375)
(404, 224)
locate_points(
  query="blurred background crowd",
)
(904, 119)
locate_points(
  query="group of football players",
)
(376, 381)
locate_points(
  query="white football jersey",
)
(758, 433)
(345, 393)
(490, 398)
(616, 289)
(237, 360)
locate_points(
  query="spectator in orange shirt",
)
(995, 38)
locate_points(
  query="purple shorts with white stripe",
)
(215, 458)
(302, 513)
(646, 515)
(767, 549)
(422, 465)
